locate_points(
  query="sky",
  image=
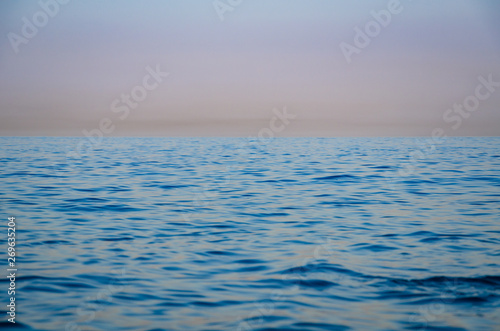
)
(249, 68)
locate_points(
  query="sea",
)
(306, 234)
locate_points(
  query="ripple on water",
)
(215, 234)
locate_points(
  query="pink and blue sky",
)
(225, 77)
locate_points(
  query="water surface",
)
(238, 234)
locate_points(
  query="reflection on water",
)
(219, 234)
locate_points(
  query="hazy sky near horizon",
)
(225, 77)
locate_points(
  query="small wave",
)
(341, 178)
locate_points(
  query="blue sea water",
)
(243, 234)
